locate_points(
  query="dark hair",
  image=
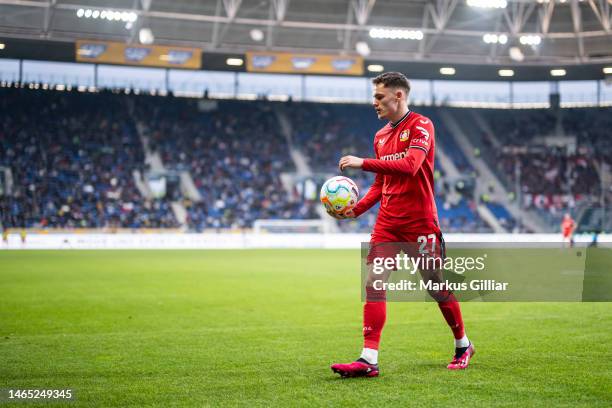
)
(393, 80)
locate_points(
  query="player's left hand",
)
(350, 162)
(342, 216)
(345, 215)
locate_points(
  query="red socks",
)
(374, 317)
(452, 314)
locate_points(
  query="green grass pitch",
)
(261, 327)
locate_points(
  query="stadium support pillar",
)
(605, 177)
(518, 191)
(554, 99)
(599, 93)
(236, 84)
(432, 95)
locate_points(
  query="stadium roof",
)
(570, 31)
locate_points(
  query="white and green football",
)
(339, 194)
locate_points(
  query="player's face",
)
(386, 101)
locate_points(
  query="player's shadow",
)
(350, 379)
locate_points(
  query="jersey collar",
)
(394, 125)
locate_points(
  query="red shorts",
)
(387, 242)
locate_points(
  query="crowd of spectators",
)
(519, 127)
(326, 132)
(591, 128)
(71, 156)
(551, 172)
(553, 156)
(556, 183)
(235, 154)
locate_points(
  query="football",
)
(339, 194)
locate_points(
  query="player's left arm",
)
(372, 197)
(408, 165)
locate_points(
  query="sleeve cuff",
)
(419, 147)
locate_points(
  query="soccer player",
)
(568, 226)
(404, 185)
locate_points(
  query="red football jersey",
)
(567, 226)
(404, 168)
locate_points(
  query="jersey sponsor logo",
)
(419, 142)
(381, 142)
(395, 156)
(404, 135)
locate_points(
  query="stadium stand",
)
(445, 136)
(72, 163)
(326, 132)
(591, 127)
(235, 154)
(502, 214)
(552, 179)
(522, 126)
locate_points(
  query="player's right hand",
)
(350, 162)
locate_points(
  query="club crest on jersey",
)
(404, 135)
